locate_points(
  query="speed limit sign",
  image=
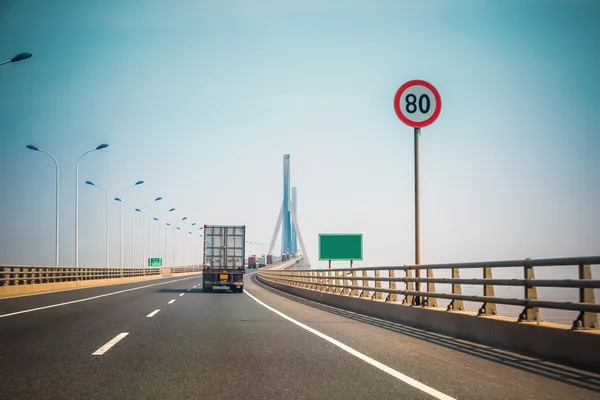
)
(417, 103)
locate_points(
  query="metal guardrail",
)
(14, 275)
(345, 282)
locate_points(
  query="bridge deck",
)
(227, 345)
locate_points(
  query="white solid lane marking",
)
(152, 314)
(110, 344)
(398, 375)
(171, 302)
(189, 290)
(91, 298)
(181, 294)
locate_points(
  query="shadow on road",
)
(193, 291)
(571, 376)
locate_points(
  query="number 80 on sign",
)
(417, 103)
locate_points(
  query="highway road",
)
(166, 339)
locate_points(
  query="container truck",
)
(252, 262)
(224, 257)
(269, 259)
(262, 261)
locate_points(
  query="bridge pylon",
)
(287, 220)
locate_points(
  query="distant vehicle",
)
(224, 257)
(252, 262)
(269, 259)
(262, 261)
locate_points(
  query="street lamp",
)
(185, 249)
(18, 57)
(193, 247)
(107, 241)
(130, 228)
(174, 237)
(201, 248)
(123, 198)
(166, 224)
(32, 147)
(143, 211)
(100, 147)
(159, 220)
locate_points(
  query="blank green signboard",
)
(340, 247)
(155, 262)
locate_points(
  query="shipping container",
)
(269, 259)
(224, 257)
(252, 262)
(262, 261)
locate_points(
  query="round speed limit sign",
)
(417, 103)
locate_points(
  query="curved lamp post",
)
(123, 198)
(107, 240)
(174, 237)
(18, 57)
(166, 224)
(159, 220)
(100, 147)
(34, 148)
(143, 211)
(130, 228)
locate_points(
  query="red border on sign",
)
(403, 118)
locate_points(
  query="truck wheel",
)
(207, 289)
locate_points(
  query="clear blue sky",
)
(201, 100)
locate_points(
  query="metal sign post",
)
(418, 103)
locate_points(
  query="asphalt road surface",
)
(166, 339)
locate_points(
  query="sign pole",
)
(329, 264)
(417, 214)
(418, 104)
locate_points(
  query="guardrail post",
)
(313, 280)
(329, 281)
(410, 286)
(529, 314)
(365, 283)
(320, 280)
(586, 319)
(336, 290)
(488, 291)
(430, 289)
(309, 279)
(456, 289)
(377, 295)
(293, 280)
(352, 284)
(344, 290)
(391, 297)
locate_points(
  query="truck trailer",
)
(262, 261)
(252, 262)
(224, 257)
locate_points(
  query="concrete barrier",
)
(552, 342)
(22, 290)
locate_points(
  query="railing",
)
(347, 282)
(12, 275)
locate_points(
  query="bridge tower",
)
(287, 220)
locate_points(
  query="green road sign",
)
(340, 247)
(155, 262)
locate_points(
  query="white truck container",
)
(224, 257)
(262, 261)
